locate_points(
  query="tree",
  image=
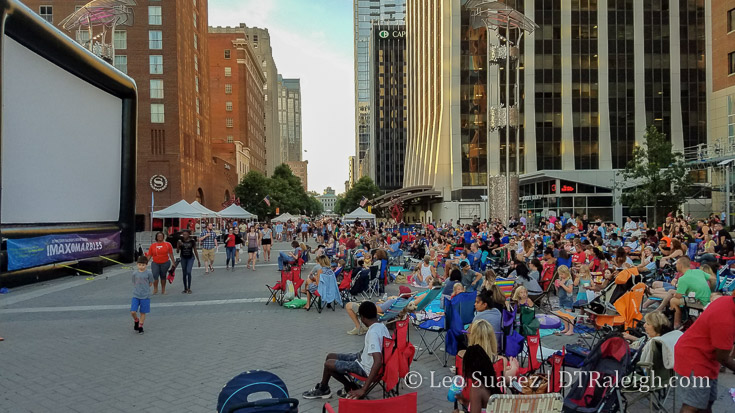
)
(251, 191)
(364, 187)
(661, 176)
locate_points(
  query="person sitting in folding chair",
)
(404, 293)
(367, 363)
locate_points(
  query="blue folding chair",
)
(429, 325)
(459, 311)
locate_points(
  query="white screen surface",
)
(61, 144)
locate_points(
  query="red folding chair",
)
(407, 403)
(278, 290)
(344, 287)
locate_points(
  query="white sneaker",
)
(363, 330)
(354, 332)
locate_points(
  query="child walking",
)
(142, 283)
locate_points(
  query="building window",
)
(196, 63)
(156, 112)
(196, 83)
(154, 15)
(228, 122)
(230, 139)
(156, 89)
(196, 42)
(155, 39)
(47, 13)
(228, 89)
(195, 19)
(197, 104)
(228, 71)
(730, 20)
(121, 40)
(228, 106)
(121, 63)
(227, 53)
(731, 63)
(199, 128)
(156, 63)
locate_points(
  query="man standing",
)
(208, 238)
(701, 350)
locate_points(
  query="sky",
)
(313, 41)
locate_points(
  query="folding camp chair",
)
(316, 298)
(344, 287)
(394, 310)
(460, 311)
(657, 377)
(278, 291)
(436, 325)
(406, 403)
(543, 301)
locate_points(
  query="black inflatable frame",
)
(27, 28)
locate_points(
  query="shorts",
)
(699, 393)
(313, 287)
(144, 304)
(265, 241)
(347, 363)
(252, 250)
(160, 270)
(208, 255)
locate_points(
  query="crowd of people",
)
(586, 255)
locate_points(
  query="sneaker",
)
(184, 292)
(342, 393)
(363, 330)
(140, 330)
(317, 394)
(136, 325)
(188, 291)
(355, 331)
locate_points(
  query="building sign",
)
(158, 183)
(32, 252)
(564, 188)
(385, 34)
(530, 198)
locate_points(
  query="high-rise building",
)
(238, 111)
(367, 13)
(300, 169)
(289, 118)
(352, 172)
(592, 77)
(388, 99)
(260, 40)
(165, 51)
(721, 60)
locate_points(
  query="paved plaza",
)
(70, 345)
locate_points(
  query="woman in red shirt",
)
(230, 243)
(162, 254)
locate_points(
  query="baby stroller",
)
(235, 397)
(597, 387)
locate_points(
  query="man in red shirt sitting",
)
(701, 350)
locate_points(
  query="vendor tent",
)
(284, 218)
(235, 211)
(206, 212)
(360, 214)
(181, 209)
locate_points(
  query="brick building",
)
(236, 96)
(722, 64)
(299, 169)
(165, 51)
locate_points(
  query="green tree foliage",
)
(284, 189)
(365, 187)
(661, 176)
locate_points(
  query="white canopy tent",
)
(236, 211)
(181, 209)
(360, 214)
(206, 212)
(284, 218)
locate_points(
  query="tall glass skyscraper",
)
(593, 76)
(367, 13)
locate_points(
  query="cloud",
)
(327, 82)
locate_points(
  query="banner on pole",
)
(48, 249)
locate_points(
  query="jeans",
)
(283, 258)
(230, 256)
(186, 265)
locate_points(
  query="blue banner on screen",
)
(32, 252)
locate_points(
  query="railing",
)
(721, 148)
